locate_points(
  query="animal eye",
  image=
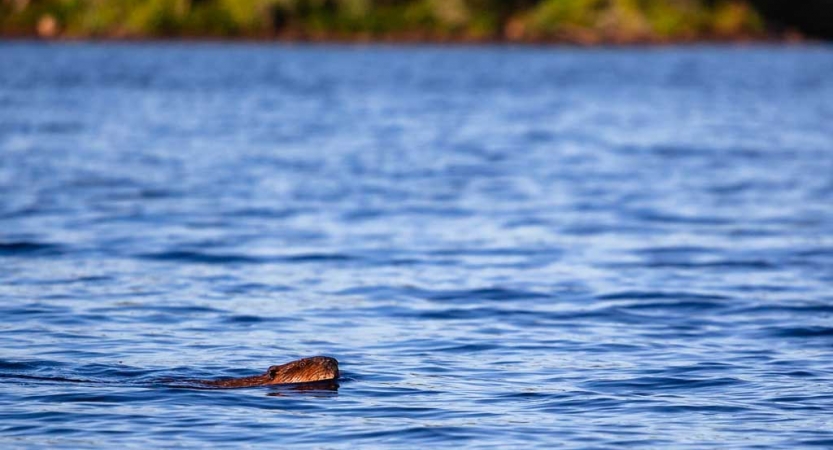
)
(273, 371)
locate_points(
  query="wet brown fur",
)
(306, 370)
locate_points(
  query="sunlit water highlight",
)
(502, 246)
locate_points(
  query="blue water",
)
(502, 246)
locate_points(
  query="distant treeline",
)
(580, 21)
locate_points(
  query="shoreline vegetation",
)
(581, 22)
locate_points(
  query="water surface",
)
(503, 246)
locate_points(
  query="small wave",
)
(650, 383)
(676, 250)
(662, 295)
(44, 378)
(582, 402)
(692, 305)
(59, 127)
(725, 264)
(200, 257)
(246, 288)
(469, 348)
(413, 434)
(458, 314)
(519, 252)
(319, 257)
(184, 309)
(802, 332)
(809, 309)
(30, 248)
(823, 443)
(491, 294)
(193, 256)
(268, 213)
(649, 215)
(244, 319)
(494, 294)
(824, 252)
(703, 409)
(20, 365)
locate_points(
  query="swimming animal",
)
(306, 370)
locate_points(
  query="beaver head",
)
(317, 368)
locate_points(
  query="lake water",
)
(502, 246)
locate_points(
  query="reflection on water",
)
(502, 246)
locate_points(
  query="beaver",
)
(305, 370)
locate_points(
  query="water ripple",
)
(503, 247)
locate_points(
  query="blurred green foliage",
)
(585, 21)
